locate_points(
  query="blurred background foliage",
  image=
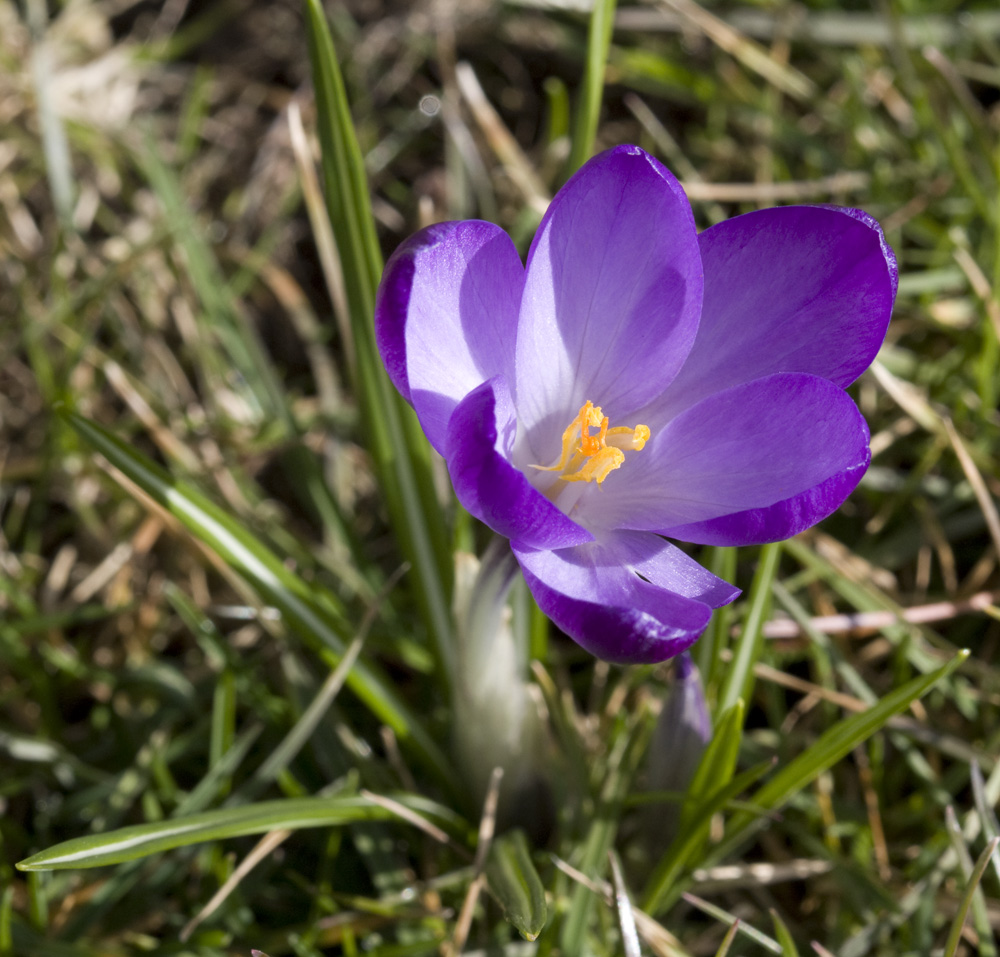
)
(169, 641)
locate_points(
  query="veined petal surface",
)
(611, 299)
(791, 438)
(446, 316)
(480, 435)
(790, 289)
(594, 592)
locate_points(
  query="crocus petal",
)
(758, 526)
(480, 434)
(595, 594)
(446, 316)
(784, 451)
(791, 289)
(611, 298)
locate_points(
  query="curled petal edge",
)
(603, 597)
(775, 523)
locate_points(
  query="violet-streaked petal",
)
(446, 316)
(595, 594)
(480, 434)
(611, 298)
(791, 443)
(791, 289)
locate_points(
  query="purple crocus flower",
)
(637, 380)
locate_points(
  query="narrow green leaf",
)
(38, 902)
(980, 914)
(725, 917)
(955, 934)
(322, 625)
(788, 948)
(223, 727)
(588, 110)
(739, 677)
(512, 879)
(727, 941)
(6, 910)
(395, 440)
(665, 886)
(833, 745)
(717, 764)
(141, 840)
(708, 651)
(623, 764)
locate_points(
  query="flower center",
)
(589, 458)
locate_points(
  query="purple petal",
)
(480, 435)
(595, 594)
(768, 458)
(446, 316)
(757, 526)
(791, 289)
(611, 297)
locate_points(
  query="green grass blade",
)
(955, 934)
(321, 625)
(739, 677)
(397, 444)
(708, 651)
(834, 744)
(784, 936)
(665, 888)
(726, 918)
(512, 879)
(141, 840)
(622, 766)
(588, 110)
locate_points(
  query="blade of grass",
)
(397, 444)
(955, 934)
(725, 917)
(588, 109)
(141, 840)
(833, 745)
(710, 646)
(316, 617)
(665, 884)
(980, 916)
(788, 948)
(739, 677)
(623, 763)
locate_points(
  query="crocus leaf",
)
(393, 436)
(717, 763)
(665, 887)
(512, 879)
(129, 843)
(739, 678)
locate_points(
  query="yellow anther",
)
(597, 467)
(590, 458)
(630, 439)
